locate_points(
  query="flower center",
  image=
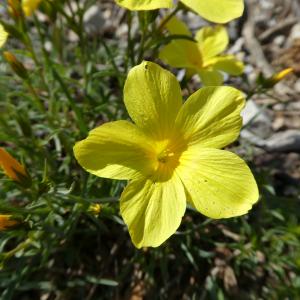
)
(165, 156)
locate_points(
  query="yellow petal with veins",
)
(117, 150)
(218, 183)
(218, 11)
(211, 117)
(145, 4)
(3, 36)
(212, 41)
(153, 98)
(153, 210)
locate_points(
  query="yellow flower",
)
(12, 168)
(29, 6)
(6, 222)
(171, 154)
(203, 57)
(3, 36)
(218, 11)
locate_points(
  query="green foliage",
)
(62, 250)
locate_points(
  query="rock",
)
(256, 119)
(285, 141)
(297, 86)
(278, 123)
(294, 35)
(279, 40)
(93, 20)
(252, 138)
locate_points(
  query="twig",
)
(256, 52)
(278, 27)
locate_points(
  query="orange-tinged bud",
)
(14, 8)
(12, 168)
(16, 65)
(6, 222)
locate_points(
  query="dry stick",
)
(296, 8)
(256, 52)
(253, 45)
(280, 26)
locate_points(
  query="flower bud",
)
(15, 9)
(13, 169)
(95, 209)
(275, 78)
(6, 222)
(16, 65)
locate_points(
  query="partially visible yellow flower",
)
(3, 35)
(203, 57)
(12, 168)
(145, 4)
(171, 154)
(218, 11)
(6, 222)
(29, 6)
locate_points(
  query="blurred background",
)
(70, 242)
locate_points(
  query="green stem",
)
(167, 19)
(143, 28)
(30, 48)
(80, 121)
(130, 46)
(114, 65)
(37, 100)
(20, 247)
(157, 32)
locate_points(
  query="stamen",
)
(165, 155)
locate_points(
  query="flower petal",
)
(212, 41)
(30, 6)
(176, 26)
(153, 98)
(116, 150)
(181, 54)
(211, 77)
(145, 4)
(153, 210)
(211, 116)
(219, 183)
(218, 11)
(228, 64)
(3, 36)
